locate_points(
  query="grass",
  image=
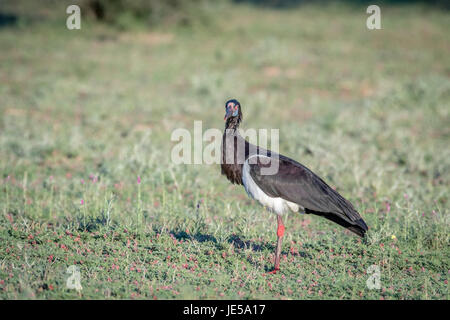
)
(84, 113)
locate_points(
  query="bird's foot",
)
(274, 271)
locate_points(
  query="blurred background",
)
(84, 113)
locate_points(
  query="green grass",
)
(84, 113)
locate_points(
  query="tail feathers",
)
(358, 227)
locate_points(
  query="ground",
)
(86, 176)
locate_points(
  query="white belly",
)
(274, 204)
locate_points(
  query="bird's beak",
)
(230, 110)
(228, 113)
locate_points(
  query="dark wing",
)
(296, 183)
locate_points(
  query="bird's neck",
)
(233, 155)
(232, 124)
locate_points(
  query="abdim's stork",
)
(287, 186)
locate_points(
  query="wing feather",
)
(296, 183)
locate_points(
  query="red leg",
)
(280, 234)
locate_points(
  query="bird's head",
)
(233, 114)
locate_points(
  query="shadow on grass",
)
(238, 243)
(235, 240)
(89, 224)
(199, 237)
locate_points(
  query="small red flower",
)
(388, 207)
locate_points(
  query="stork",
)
(290, 185)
